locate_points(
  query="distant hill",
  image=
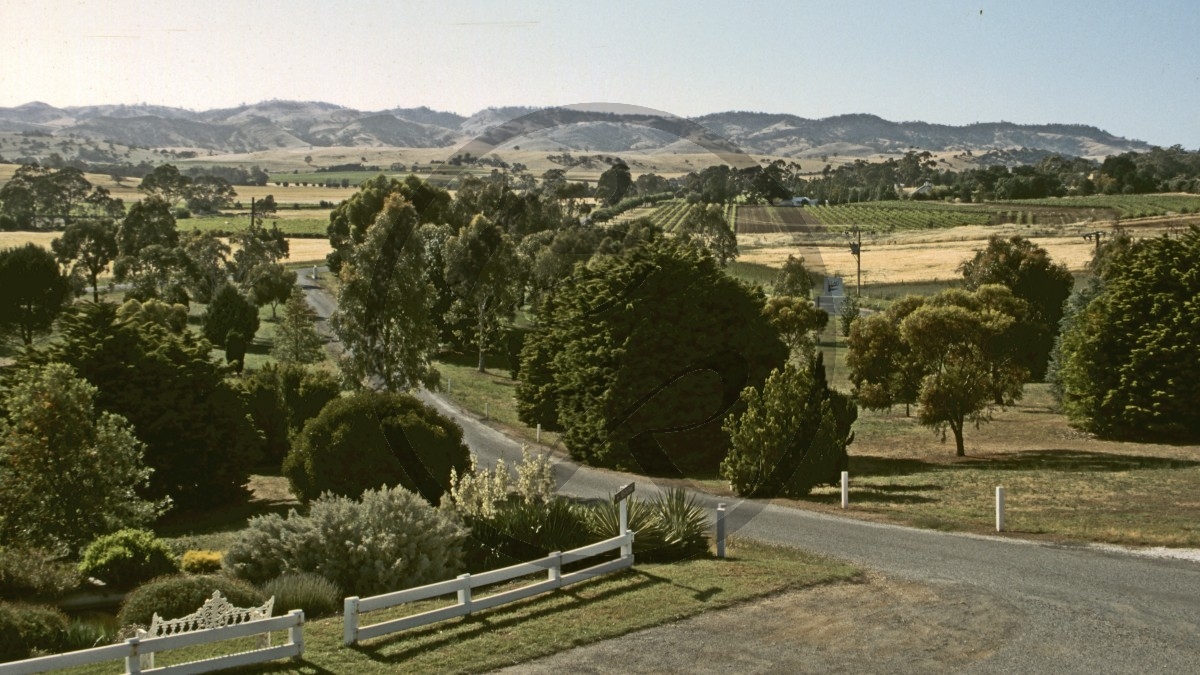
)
(293, 124)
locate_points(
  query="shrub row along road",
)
(1061, 608)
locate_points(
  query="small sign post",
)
(621, 499)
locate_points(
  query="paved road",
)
(1082, 609)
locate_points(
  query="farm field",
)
(300, 249)
(931, 255)
(1126, 206)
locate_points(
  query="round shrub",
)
(127, 557)
(25, 628)
(201, 562)
(176, 596)
(313, 593)
(372, 439)
(387, 540)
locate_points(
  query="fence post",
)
(626, 548)
(448, 382)
(721, 530)
(464, 593)
(133, 661)
(350, 621)
(999, 508)
(845, 488)
(555, 571)
(296, 633)
(539, 432)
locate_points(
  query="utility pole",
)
(252, 212)
(1097, 236)
(856, 251)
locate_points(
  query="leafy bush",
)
(790, 437)
(517, 531)
(175, 596)
(25, 628)
(127, 557)
(672, 527)
(27, 573)
(201, 562)
(230, 311)
(387, 540)
(372, 439)
(313, 593)
(282, 399)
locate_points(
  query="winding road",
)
(1066, 608)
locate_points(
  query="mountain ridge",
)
(293, 124)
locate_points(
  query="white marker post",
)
(539, 432)
(622, 500)
(845, 489)
(999, 508)
(721, 530)
(447, 386)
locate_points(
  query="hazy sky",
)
(1131, 68)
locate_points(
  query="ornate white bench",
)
(216, 612)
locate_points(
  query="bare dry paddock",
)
(300, 250)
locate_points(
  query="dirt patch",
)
(881, 625)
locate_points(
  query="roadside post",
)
(845, 489)
(999, 508)
(721, 530)
(621, 498)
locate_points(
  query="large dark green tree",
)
(614, 184)
(199, 437)
(349, 221)
(705, 225)
(1127, 363)
(383, 315)
(482, 270)
(87, 247)
(32, 291)
(230, 312)
(640, 358)
(1027, 270)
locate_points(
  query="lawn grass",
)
(602, 608)
(464, 385)
(1060, 484)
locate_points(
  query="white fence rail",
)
(551, 565)
(133, 648)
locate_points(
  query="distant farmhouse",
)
(799, 201)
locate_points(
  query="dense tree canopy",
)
(32, 291)
(1127, 363)
(951, 353)
(482, 270)
(1026, 269)
(383, 317)
(68, 473)
(199, 439)
(641, 356)
(87, 247)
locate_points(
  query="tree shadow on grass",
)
(475, 625)
(869, 465)
(1070, 460)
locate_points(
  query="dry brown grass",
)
(1061, 484)
(934, 255)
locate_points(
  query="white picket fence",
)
(132, 649)
(551, 565)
